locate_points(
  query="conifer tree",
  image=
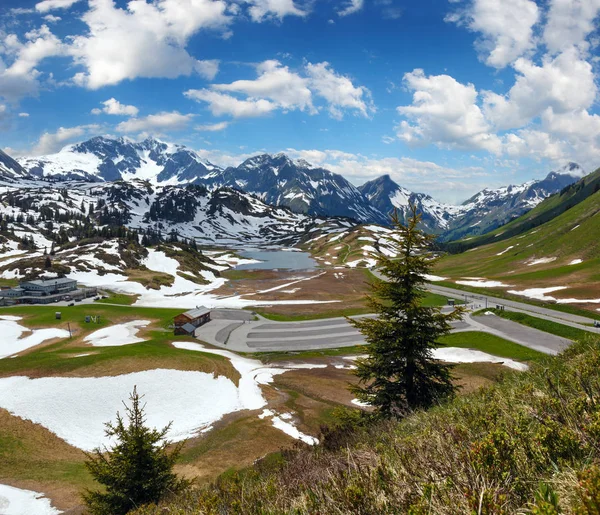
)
(137, 470)
(399, 373)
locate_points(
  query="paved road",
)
(266, 336)
(550, 314)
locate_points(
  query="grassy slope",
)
(491, 344)
(487, 453)
(544, 212)
(572, 235)
(33, 456)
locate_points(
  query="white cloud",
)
(569, 23)
(156, 123)
(445, 112)
(212, 127)
(261, 10)
(144, 40)
(207, 69)
(535, 144)
(21, 78)
(279, 88)
(276, 83)
(50, 18)
(564, 84)
(221, 104)
(23, 115)
(351, 7)
(51, 142)
(506, 28)
(339, 91)
(113, 107)
(50, 5)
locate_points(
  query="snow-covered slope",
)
(484, 212)
(491, 208)
(386, 196)
(110, 159)
(278, 180)
(10, 170)
(222, 216)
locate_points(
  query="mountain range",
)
(280, 181)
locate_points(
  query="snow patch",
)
(115, 335)
(15, 501)
(12, 341)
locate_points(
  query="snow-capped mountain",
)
(112, 159)
(222, 216)
(11, 170)
(278, 180)
(482, 213)
(491, 208)
(386, 196)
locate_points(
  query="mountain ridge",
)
(278, 180)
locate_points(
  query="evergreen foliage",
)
(137, 470)
(399, 373)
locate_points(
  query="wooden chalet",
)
(188, 322)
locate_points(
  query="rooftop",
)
(198, 312)
(50, 282)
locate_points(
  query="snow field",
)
(12, 341)
(115, 335)
(15, 501)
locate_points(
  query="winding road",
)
(238, 331)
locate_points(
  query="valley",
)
(278, 270)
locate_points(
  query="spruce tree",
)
(399, 373)
(137, 470)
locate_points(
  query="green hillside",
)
(528, 445)
(545, 256)
(547, 210)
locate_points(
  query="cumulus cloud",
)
(212, 127)
(113, 107)
(351, 7)
(276, 83)
(51, 142)
(506, 28)
(23, 115)
(564, 84)
(569, 23)
(50, 18)
(445, 112)
(221, 104)
(156, 123)
(21, 77)
(144, 40)
(51, 5)
(261, 10)
(339, 91)
(279, 88)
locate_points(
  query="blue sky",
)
(447, 97)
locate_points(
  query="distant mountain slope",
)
(223, 216)
(112, 159)
(550, 208)
(281, 181)
(492, 208)
(558, 258)
(386, 195)
(484, 212)
(11, 170)
(278, 180)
